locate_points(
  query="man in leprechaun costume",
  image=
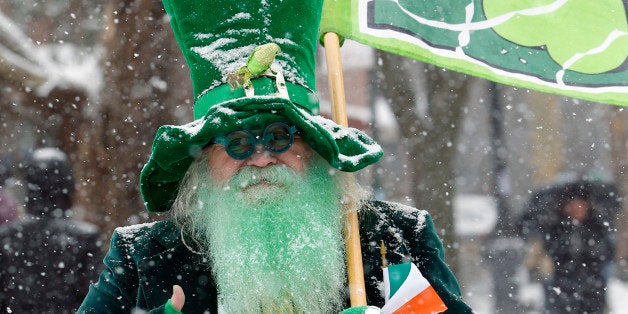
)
(253, 184)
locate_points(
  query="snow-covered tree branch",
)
(44, 67)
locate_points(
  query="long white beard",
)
(275, 247)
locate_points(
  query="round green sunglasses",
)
(276, 137)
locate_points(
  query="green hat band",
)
(263, 86)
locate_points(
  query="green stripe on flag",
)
(397, 274)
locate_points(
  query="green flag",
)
(576, 48)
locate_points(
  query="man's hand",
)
(178, 297)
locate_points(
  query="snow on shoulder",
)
(130, 233)
(410, 212)
(407, 213)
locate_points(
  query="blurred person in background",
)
(572, 246)
(581, 248)
(47, 259)
(8, 205)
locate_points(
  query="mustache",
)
(251, 175)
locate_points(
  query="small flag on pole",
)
(407, 291)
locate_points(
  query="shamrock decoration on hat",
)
(251, 63)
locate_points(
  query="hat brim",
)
(175, 147)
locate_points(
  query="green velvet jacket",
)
(144, 261)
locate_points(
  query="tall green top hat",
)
(251, 63)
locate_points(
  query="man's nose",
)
(261, 157)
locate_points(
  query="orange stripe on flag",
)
(425, 302)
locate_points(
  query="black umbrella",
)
(543, 208)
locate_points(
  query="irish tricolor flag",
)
(407, 291)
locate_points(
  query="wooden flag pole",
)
(355, 269)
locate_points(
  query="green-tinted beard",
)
(278, 247)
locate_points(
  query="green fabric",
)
(169, 309)
(145, 261)
(355, 310)
(361, 310)
(217, 38)
(577, 48)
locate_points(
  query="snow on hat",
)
(217, 39)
